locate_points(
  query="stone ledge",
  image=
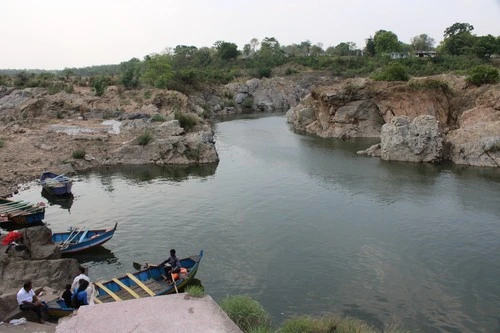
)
(170, 313)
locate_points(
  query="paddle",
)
(175, 284)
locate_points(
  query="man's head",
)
(172, 252)
(27, 286)
(82, 270)
(68, 287)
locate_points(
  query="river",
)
(305, 226)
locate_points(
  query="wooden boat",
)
(56, 184)
(77, 240)
(20, 214)
(145, 283)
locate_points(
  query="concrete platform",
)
(171, 313)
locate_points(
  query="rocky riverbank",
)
(424, 120)
(72, 132)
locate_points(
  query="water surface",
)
(305, 226)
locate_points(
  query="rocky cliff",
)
(67, 132)
(461, 123)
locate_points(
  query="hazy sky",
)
(54, 34)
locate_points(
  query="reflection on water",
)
(64, 201)
(306, 226)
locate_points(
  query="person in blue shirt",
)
(173, 267)
(80, 295)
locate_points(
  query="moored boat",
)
(144, 283)
(56, 184)
(77, 240)
(20, 214)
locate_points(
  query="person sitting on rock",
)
(80, 295)
(27, 300)
(173, 267)
(67, 295)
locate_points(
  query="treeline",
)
(185, 67)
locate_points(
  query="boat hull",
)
(58, 185)
(145, 283)
(91, 239)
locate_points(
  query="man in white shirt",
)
(90, 289)
(27, 300)
(76, 281)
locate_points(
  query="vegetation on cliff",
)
(186, 68)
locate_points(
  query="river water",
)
(305, 226)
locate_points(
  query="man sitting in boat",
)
(67, 295)
(90, 286)
(27, 300)
(80, 295)
(174, 266)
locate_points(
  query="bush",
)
(326, 324)
(392, 72)
(195, 291)
(158, 117)
(144, 138)
(2, 143)
(482, 75)
(428, 84)
(100, 84)
(79, 153)
(247, 103)
(245, 312)
(187, 121)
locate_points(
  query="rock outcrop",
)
(443, 118)
(43, 131)
(419, 140)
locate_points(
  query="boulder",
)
(53, 273)
(40, 244)
(420, 140)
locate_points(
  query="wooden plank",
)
(97, 301)
(121, 284)
(109, 292)
(142, 285)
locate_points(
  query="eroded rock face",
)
(420, 140)
(477, 141)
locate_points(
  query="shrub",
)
(195, 291)
(2, 143)
(245, 312)
(100, 84)
(147, 94)
(392, 72)
(79, 153)
(482, 75)
(247, 103)
(144, 138)
(428, 84)
(187, 121)
(326, 324)
(158, 117)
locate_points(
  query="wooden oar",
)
(175, 284)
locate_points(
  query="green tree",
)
(422, 42)
(130, 73)
(100, 84)
(370, 47)
(484, 46)
(386, 42)
(157, 70)
(226, 50)
(458, 39)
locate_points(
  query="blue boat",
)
(20, 214)
(144, 283)
(77, 240)
(56, 184)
